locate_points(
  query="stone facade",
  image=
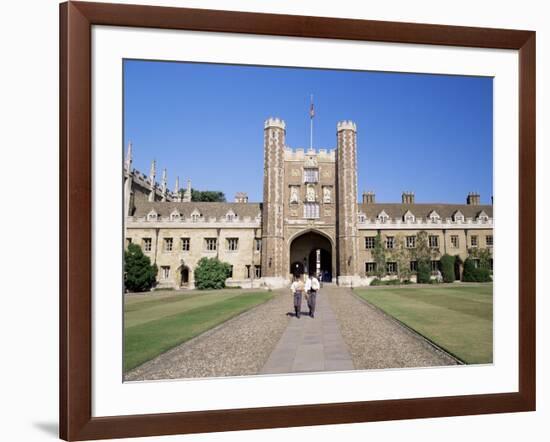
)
(310, 220)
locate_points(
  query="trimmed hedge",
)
(475, 274)
(424, 272)
(139, 274)
(211, 273)
(448, 268)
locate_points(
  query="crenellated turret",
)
(346, 163)
(272, 216)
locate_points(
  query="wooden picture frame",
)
(76, 21)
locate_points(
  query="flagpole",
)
(311, 124)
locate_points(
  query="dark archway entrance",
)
(184, 273)
(311, 253)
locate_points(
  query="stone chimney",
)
(241, 197)
(473, 199)
(369, 197)
(407, 198)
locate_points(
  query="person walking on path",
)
(297, 288)
(311, 287)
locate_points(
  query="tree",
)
(423, 255)
(379, 256)
(139, 274)
(211, 273)
(448, 268)
(402, 257)
(211, 196)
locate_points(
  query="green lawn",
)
(155, 323)
(458, 318)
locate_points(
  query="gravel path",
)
(238, 347)
(375, 341)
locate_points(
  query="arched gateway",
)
(312, 252)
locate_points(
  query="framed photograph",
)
(274, 220)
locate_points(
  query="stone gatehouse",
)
(310, 220)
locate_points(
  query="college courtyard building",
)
(310, 220)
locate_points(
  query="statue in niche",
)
(294, 197)
(327, 197)
(311, 161)
(310, 194)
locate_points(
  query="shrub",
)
(448, 268)
(475, 274)
(139, 274)
(424, 272)
(211, 273)
(376, 281)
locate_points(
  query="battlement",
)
(346, 125)
(274, 122)
(300, 154)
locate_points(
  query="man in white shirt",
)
(297, 288)
(311, 288)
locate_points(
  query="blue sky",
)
(431, 134)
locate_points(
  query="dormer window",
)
(409, 217)
(259, 217)
(230, 216)
(458, 217)
(361, 218)
(195, 216)
(483, 217)
(152, 215)
(434, 217)
(383, 217)
(175, 215)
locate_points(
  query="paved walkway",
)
(310, 344)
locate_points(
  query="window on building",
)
(185, 244)
(165, 272)
(413, 266)
(489, 240)
(391, 268)
(195, 217)
(210, 244)
(230, 217)
(258, 244)
(454, 241)
(311, 175)
(473, 240)
(411, 242)
(491, 264)
(435, 266)
(128, 241)
(383, 217)
(232, 244)
(168, 244)
(311, 210)
(361, 218)
(230, 272)
(433, 241)
(147, 242)
(370, 267)
(248, 271)
(434, 217)
(369, 242)
(257, 271)
(390, 242)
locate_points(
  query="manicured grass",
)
(457, 318)
(154, 325)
